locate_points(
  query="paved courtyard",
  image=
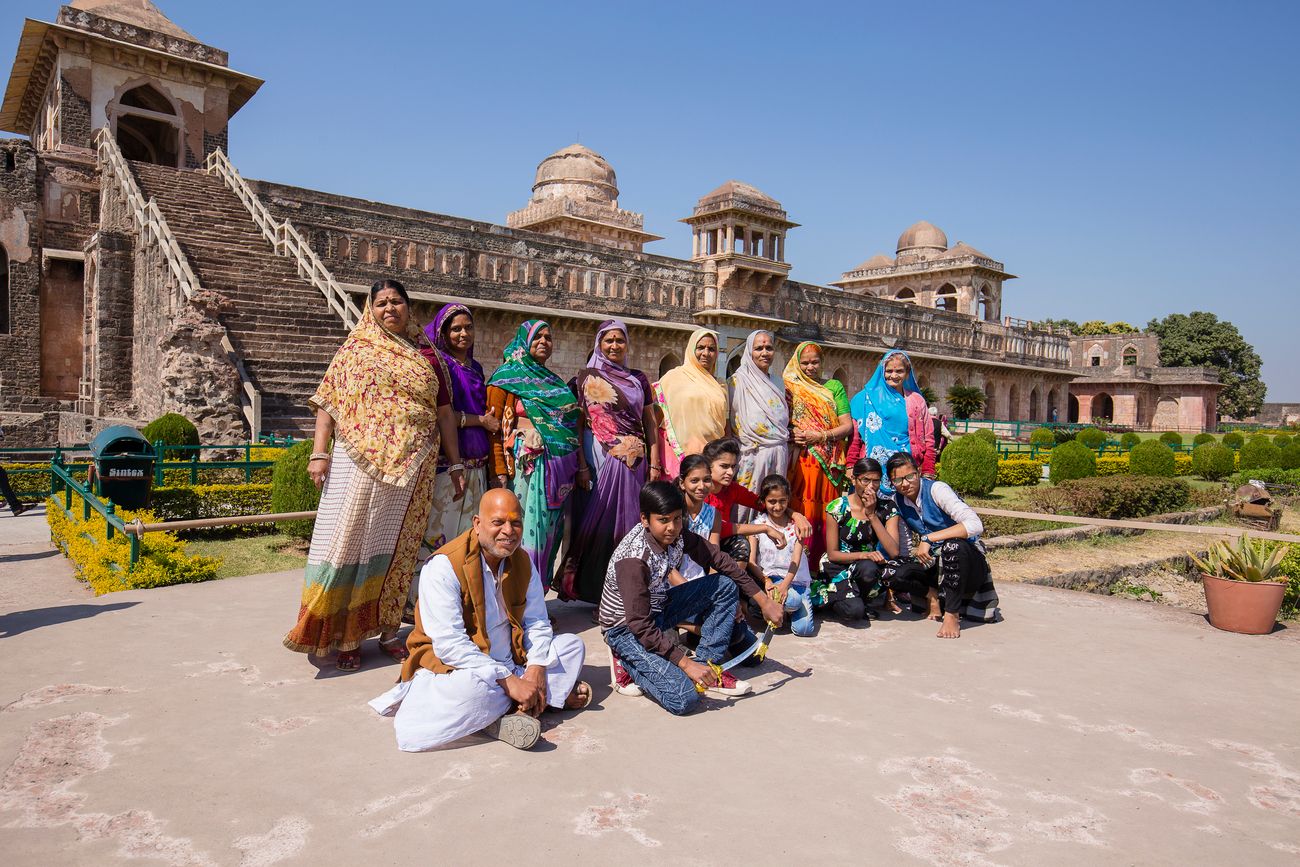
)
(170, 726)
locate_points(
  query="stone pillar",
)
(731, 239)
(112, 321)
(1085, 408)
(695, 244)
(749, 241)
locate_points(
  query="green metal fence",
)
(65, 488)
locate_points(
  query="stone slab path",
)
(170, 727)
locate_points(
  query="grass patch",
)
(251, 555)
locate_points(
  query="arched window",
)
(988, 304)
(4, 290)
(667, 363)
(946, 297)
(1094, 355)
(1130, 356)
(906, 295)
(148, 129)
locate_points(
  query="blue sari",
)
(880, 414)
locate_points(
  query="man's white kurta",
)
(435, 709)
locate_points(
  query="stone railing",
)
(537, 211)
(286, 240)
(925, 265)
(156, 238)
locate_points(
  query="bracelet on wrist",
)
(319, 456)
(456, 468)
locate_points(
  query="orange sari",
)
(817, 474)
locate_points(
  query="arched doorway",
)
(1013, 402)
(667, 363)
(1103, 408)
(990, 401)
(988, 309)
(906, 295)
(946, 298)
(1035, 405)
(147, 127)
(1073, 415)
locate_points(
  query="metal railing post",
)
(108, 520)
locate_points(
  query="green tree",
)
(931, 396)
(1060, 324)
(1097, 326)
(1202, 339)
(965, 400)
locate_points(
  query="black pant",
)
(14, 505)
(958, 570)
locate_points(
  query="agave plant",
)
(1243, 560)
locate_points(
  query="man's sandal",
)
(395, 649)
(581, 696)
(349, 660)
(519, 730)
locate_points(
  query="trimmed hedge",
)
(1283, 440)
(173, 429)
(292, 490)
(986, 434)
(970, 465)
(1072, 460)
(1291, 456)
(1268, 476)
(1112, 465)
(1093, 438)
(210, 501)
(1212, 461)
(1116, 497)
(36, 485)
(1152, 458)
(1259, 453)
(105, 564)
(1042, 436)
(1202, 438)
(1233, 440)
(1128, 440)
(1019, 471)
(1171, 438)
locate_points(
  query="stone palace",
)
(141, 273)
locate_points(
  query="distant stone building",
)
(1121, 382)
(139, 273)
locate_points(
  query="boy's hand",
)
(697, 672)
(775, 535)
(772, 610)
(801, 525)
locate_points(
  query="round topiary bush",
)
(970, 465)
(1202, 439)
(1233, 440)
(1171, 438)
(1128, 440)
(1212, 461)
(1259, 453)
(1092, 437)
(292, 490)
(1042, 436)
(986, 434)
(1072, 460)
(1282, 440)
(1152, 458)
(174, 429)
(1291, 459)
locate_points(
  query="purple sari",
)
(468, 388)
(612, 399)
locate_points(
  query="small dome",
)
(923, 236)
(962, 249)
(880, 260)
(141, 13)
(741, 190)
(576, 172)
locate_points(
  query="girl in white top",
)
(785, 569)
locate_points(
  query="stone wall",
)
(20, 349)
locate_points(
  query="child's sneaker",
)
(623, 683)
(731, 685)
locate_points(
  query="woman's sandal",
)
(349, 660)
(578, 700)
(395, 649)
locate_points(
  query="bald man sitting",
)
(483, 658)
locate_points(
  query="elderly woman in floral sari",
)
(537, 445)
(821, 426)
(618, 434)
(451, 334)
(693, 403)
(760, 416)
(890, 416)
(387, 409)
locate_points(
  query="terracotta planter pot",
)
(1243, 606)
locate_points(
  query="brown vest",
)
(466, 562)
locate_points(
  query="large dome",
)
(922, 236)
(576, 172)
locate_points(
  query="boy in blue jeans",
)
(638, 605)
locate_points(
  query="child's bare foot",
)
(935, 612)
(950, 628)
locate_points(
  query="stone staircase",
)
(280, 324)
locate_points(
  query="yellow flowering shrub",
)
(1019, 471)
(1182, 463)
(105, 564)
(1112, 465)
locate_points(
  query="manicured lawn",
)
(251, 555)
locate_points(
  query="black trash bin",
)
(123, 463)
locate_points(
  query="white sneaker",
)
(623, 683)
(732, 685)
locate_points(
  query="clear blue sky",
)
(1126, 159)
